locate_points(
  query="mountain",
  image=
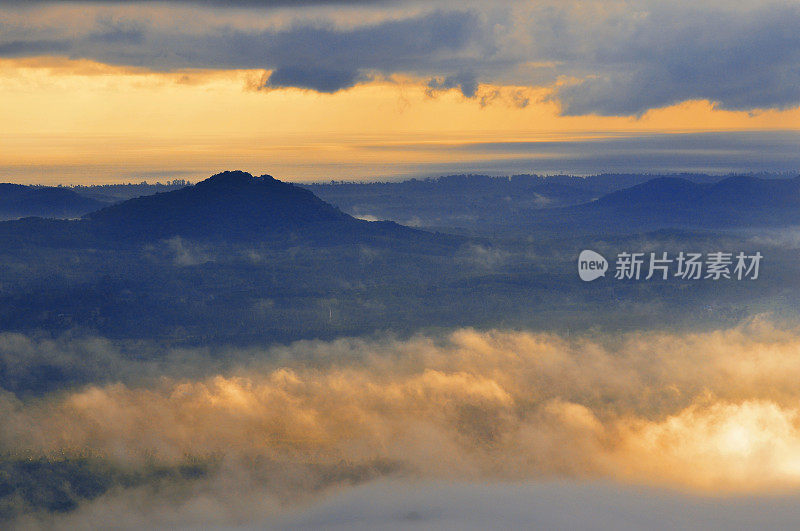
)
(657, 192)
(17, 201)
(232, 206)
(260, 260)
(455, 201)
(605, 183)
(116, 193)
(235, 206)
(255, 257)
(734, 202)
(477, 204)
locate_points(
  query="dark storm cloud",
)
(23, 48)
(329, 59)
(738, 60)
(620, 59)
(466, 82)
(315, 56)
(213, 3)
(321, 80)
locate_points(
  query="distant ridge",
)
(734, 202)
(235, 206)
(478, 204)
(17, 201)
(232, 206)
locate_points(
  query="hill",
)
(475, 204)
(735, 202)
(228, 207)
(17, 201)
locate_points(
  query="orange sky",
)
(79, 121)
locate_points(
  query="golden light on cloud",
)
(750, 445)
(715, 411)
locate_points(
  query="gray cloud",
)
(321, 80)
(739, 60)
(313, 55)
(539, 505)
(463, 81)
(22, 48)
(618, 60)
(431, 505)
(213, 3)
(723, 152)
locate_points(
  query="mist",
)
(705, 414)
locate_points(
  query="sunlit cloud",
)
(711, 411)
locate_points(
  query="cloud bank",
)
(712, 412)
(409, 504)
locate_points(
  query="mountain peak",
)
(235, 206)
(228, 178)
(237, 179)
(228, 205)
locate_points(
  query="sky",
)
(364, 90)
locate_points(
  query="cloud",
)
(321, 80)
(312, 54)
(409, 504)
(538, 505)
(740, 60)
(466, 82)
(219, 3)
(485, 257)
(786, 237)
(23, 48)
(719, 153)
(712, 412)
(595, 58)
(185, 252)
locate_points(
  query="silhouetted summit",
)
(232, 179)
(235, 205)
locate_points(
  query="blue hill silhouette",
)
(734, 202)
(18, 201)
(232, 206)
